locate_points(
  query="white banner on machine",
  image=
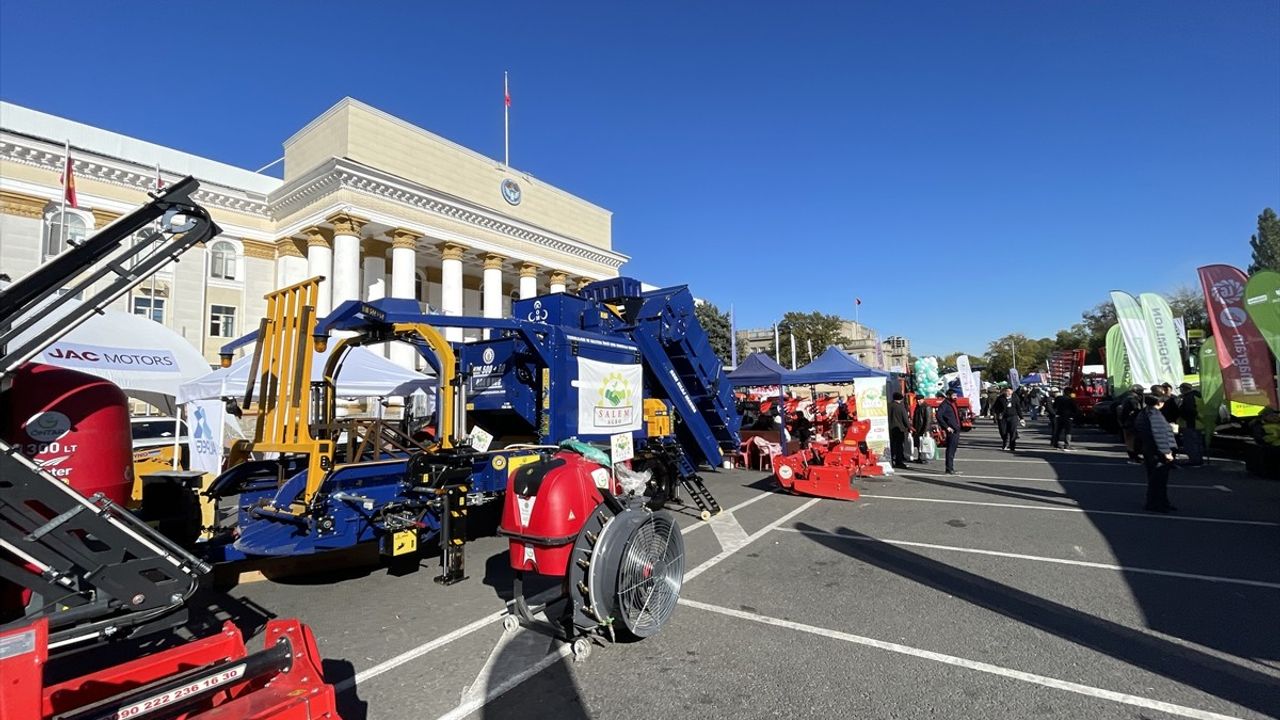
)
(205, 427)
(969, 386)
(871, 405)
(610, 399)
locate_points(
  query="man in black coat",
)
(1158, 444)
(948, 416)
(1008, 412)
(1065, 412)
(899, 426)
(1189, 424)
(923, 422)
(1129, 408)
(1049, 407)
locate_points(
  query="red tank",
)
(75, 425)
(545, 507)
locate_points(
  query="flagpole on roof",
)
(66, 178)
(506, 121)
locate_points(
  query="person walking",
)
(1130, 406)
(948, 416)
(923, 421)
(1048, 407)
(1188, 425)
(1066, 412)
(1008, 412)
(1158, 444)
(899, 427)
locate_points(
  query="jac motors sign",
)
(98, 357)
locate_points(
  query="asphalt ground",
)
(1032, 586)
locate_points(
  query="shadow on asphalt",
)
(552, 694)
(1224, 679)
(350, 706)
(1020, 494)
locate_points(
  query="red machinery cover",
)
(74, 425)
(545, 507)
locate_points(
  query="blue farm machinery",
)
(611, 363)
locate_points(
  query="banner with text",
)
(1262, 302)
(1164, 338)
(100, 357)
(1137, 339)
(1247, 372)
(205, 426)
(1117, 361)
(872, 405)
(968, 386)
(610, 399)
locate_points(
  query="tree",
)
(718, 329)
(817, 328)
(1188, 303)
(1266, 243)
(1032, 355)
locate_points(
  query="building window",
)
(420, 287)
(149, 307)
(63, 228)
(222, 321)
(222, 263)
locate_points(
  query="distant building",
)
(897, 353)
(858, 340)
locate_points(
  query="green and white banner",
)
(1137, 339)
(1211, 396)
(1164, 338)
(1117, 361)
(1262, 302)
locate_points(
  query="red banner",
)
(1247, 372)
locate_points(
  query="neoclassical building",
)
(375, 205)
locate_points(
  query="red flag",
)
(69, 183)
(1242, 353)
(506, 94)
(857, 301)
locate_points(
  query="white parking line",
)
(1059, 508)
(1045, 681)
(728, 530)
(691, 574)
(967, 476)
(1038, 558)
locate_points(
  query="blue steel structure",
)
(520, 384)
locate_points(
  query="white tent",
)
(363, 374)
(145, 359)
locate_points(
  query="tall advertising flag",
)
(1210, 388)
(967, 386)
(1137, 339)
(1242, 353)
(1164, 338)
(1262, 302)
(1117, 361)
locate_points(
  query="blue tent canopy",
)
(1033, 379)
(833, 366)
(759, 369)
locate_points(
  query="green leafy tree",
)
(1031, 354)
(718, 329)
(819, 328)
(1266, 243)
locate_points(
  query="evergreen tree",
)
(718, 328)
(1266, 243)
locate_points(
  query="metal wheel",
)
(510, 623)
(705, 515)
(581, 649)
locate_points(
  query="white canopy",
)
(363, 374)
(145, 359)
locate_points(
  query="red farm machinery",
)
(88, 591)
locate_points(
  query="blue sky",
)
(967, 169)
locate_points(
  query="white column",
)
(451, 286)
(558, 280)
(375, 278)
(404, 250)
(291, 266)
(320, 264)
(528, 281)
(493, 286)
(346, 258)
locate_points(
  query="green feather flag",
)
(1211, 397)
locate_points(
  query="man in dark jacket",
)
(1049, 407)
(1130, 406)
(1158, 445)
(899, 426)
(1188, 424)
(1066, 412)
(922, 424)
(949, 419)
(1008, 412)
